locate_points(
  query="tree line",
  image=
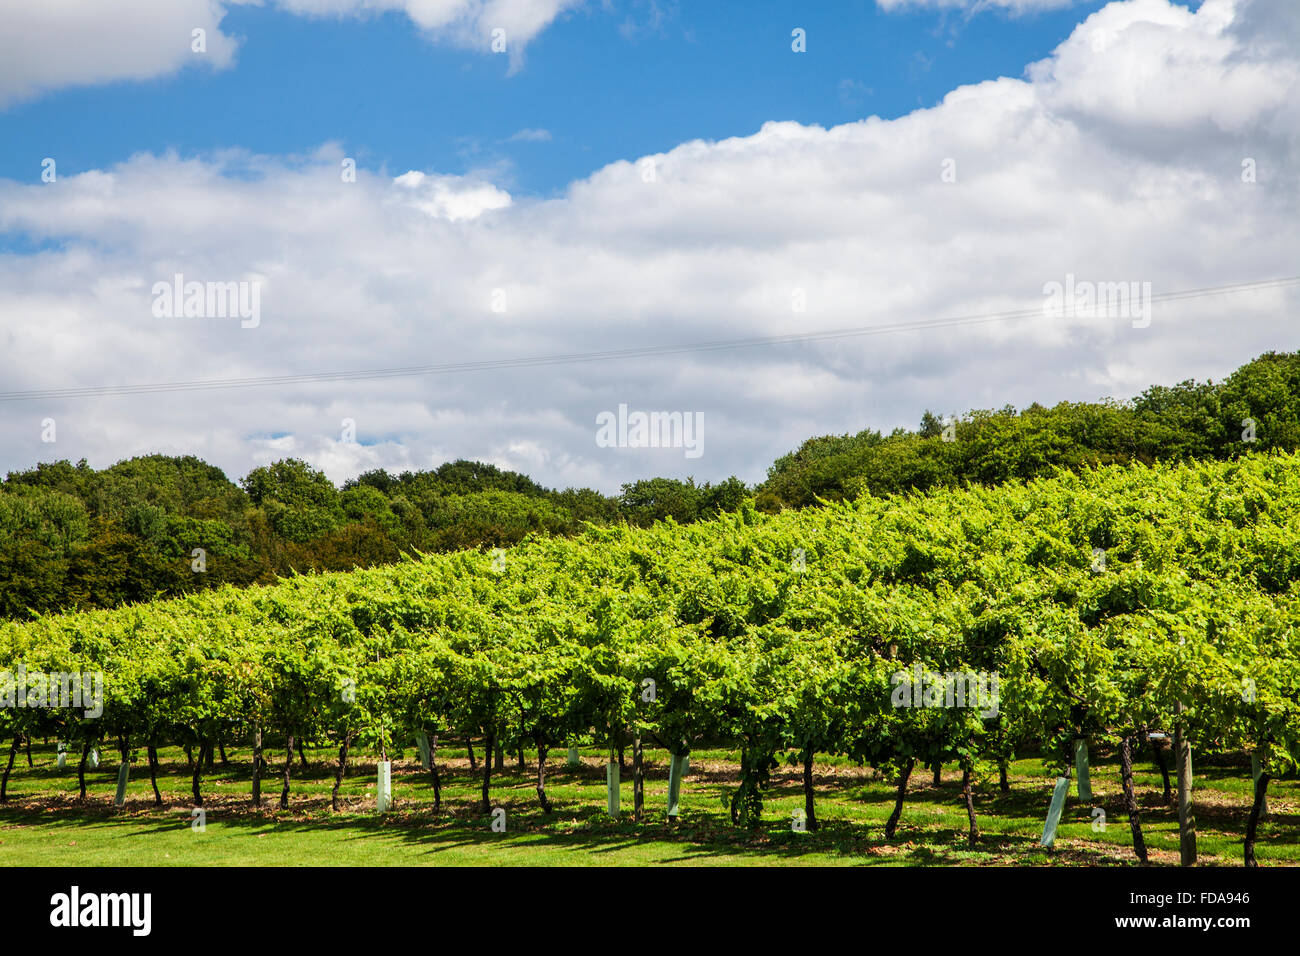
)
(1257, 407)
(73, 537)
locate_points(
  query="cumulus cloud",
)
(451, 197)
(970, 206)
(48, 45)
(468, 23)
(1119, 70)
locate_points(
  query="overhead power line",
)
(571, 358)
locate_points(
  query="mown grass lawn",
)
(44, 824)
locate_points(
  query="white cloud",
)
(530, 136)
(1119, 68)
(1065, 171)
(451, 197)
(467, 23)
(49, 44)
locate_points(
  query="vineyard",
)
(1115, 610)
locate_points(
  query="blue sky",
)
(605, 83)
(923, 159)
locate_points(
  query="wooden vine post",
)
(1186, 818)
(612, 783)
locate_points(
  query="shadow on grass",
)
(581, 826)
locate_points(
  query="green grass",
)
(44, 824)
